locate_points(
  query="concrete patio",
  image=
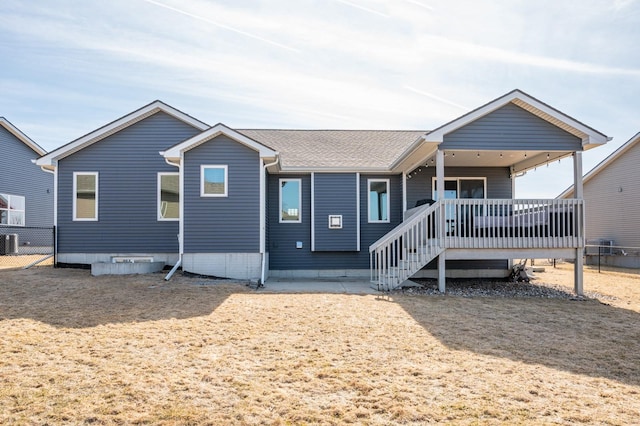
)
(319, 285)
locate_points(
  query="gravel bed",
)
(495, 288)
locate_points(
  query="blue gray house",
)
(253, 203)
(26, 194)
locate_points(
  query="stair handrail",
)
(415, 218)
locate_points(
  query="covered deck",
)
(512, 135)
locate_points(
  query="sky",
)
(68, 67)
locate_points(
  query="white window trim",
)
(159, 195)
(75, 196)
(24, 211)
(369, 182)
(226, 179)
(434, 190)
(299, 199)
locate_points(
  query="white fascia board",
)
(414, 158)
(589, 135)
(116, 126)
(21, 136)
(604, 163)
(213, 132)
(407, 152)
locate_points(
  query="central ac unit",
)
(8, 244)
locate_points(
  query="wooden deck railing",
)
(474, 224)
(531, 223)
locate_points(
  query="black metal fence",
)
(22, 246)
(606, 253)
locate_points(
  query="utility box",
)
(8, 244)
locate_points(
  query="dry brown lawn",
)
(19, 262)
(77, 349)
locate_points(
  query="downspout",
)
(174, 269)
(179, 262)
(263, 228)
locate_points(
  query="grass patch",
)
(137, 350)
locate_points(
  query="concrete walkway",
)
(318, 285)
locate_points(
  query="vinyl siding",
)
(498, 186)
(222, 224)
(508, 128)
(498, 182)
(371, 232)
(127, 163)
(283, 254)
(335, 194)
(19, 176)
(610, 213)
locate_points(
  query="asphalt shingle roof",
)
(335, 148)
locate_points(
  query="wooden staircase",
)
(409, 247)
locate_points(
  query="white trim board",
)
(51, 158)
(21, 136)
(588, 135)
(213, 132)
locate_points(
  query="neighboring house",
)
(253, 203)
(26, 194)
(612, 206)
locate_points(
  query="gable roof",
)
(21, 136)
(589, 136)
(336, 149)
(215, 131)
(605, 163)
(115, 126)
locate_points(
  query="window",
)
(378, 200)
(168, 196)
(290, 200)
(462, 188)
(12, 209)
(213, 181)
(85, 198)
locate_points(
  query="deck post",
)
(578, 275)
(439, 197)
(578, 194)
(441, 273)
(439, 174)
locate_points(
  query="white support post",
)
(442, 282)
(404, 193)
(440, 174)
(578, 194)
(440, 196)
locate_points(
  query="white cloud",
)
(314, 64)
(222, 25)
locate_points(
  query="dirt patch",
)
(136, 349)
(20, 261)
